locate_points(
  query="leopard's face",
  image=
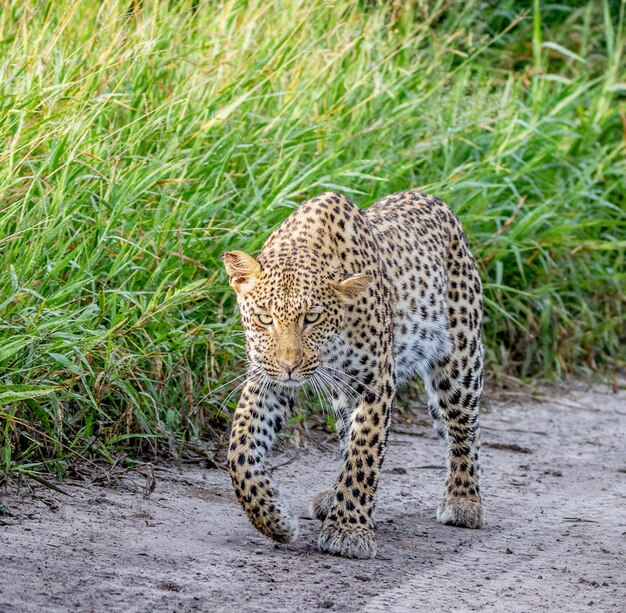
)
(285, 337)
(290, 311)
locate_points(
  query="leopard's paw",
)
(279, 523)
(349, 542)
(459, 511)
(320, 507)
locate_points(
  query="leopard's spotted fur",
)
(360, 301)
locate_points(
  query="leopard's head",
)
(291, 307)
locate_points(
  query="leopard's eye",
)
(265, 319)
(311, 317)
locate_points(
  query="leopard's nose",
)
(289, 366)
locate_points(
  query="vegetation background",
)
(140, 140)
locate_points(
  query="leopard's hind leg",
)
(454, 407)
(454, 385)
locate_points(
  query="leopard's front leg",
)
(348, 528)
(343, 407)
(260, 414)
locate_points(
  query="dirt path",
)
(554, 479)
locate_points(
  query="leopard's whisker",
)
(224, 402)
(337, 389)
(336, 407)
(217, 389)
(353, 378)
(317, 392)
(250, 376)
(320, 394)
(345, 387)
(327, 385)
(341, 409)
(268, 384)
(343, 412)
(339, 377)
(323, 386)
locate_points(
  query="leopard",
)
(357, 302)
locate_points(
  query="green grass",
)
(137, 147)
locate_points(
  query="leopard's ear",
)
(350, 287)
(242, 269)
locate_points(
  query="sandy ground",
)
(554, 481)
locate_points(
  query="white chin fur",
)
(292, 383)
